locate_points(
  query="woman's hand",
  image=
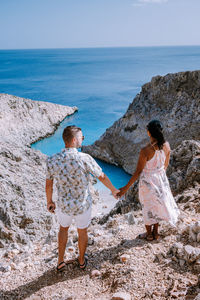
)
(123, 191)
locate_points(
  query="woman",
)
(154, 191)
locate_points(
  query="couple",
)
(71, 171)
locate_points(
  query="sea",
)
(101, 82)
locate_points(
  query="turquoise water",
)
(100, 82)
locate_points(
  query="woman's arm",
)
(140, 166)
(167, 153)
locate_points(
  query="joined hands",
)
(122, 191)
(118, 193)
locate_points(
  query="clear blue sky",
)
(98, 23)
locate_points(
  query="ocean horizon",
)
(100, 47)
(101, 82)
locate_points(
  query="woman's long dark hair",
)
(155, 128)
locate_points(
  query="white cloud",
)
(137, 4)
(143, 2)
(152, 1)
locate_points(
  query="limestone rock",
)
(174, 99)
(192, 231)
(187, 253)
(184, 170)
(24, 216)
(24, 121)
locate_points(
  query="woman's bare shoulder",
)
(146, 148)
(166, 146)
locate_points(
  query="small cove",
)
(54, 144)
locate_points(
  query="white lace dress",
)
(155, 194)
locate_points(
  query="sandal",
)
(156, 237)
(61, 268)
(145, 236)
(149, 237)
(84, 265)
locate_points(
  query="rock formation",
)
(119, 263)
(174, 99)
(23, 214)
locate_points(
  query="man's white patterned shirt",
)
(71, 171)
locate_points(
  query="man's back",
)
(71, 170)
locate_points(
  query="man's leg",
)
(62, 242)
(82, 244)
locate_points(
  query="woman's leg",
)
(149, 236)
(155, 231)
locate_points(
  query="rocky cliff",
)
(174, 99)
(23, 214)
(119, 263)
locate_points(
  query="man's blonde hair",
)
(70, 132)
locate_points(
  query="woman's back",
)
(157, 162)
(154, 190)
(157, 158)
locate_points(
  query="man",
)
(71, 171)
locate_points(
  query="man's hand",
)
(51, 206)
(115, 193)
(123, 191)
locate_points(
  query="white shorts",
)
(82, 221)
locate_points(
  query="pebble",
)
(121, 296)
(197, 297)
(21, 265)
(95, 273)
(90, 241)
(124, 258)
(192, 236)
(7, 269)
(198, 237)
(13, 266)
(34, 297)
(75, 239)
(71, 249)
(158, 257)
(69, 243)
(181, 262)
(196, 227)
(130, 218)
(191, 253)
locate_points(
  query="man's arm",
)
(106, 181)
(49, 193)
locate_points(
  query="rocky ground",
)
(120, 266)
